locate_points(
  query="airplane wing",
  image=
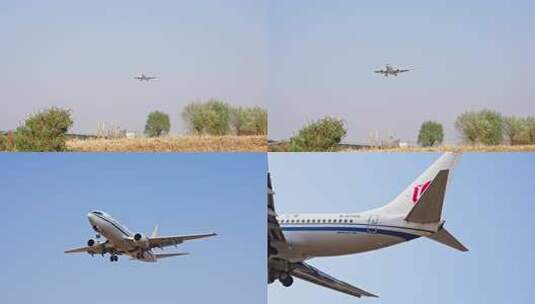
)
(97, 249)
(164, 241)
(274, 229)
(401, 71)
(379, 71)
(313, 275)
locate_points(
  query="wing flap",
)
(169, 255)
(313, 275)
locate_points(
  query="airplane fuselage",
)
(116, 233)
(320, 235)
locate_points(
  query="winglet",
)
(155, 231)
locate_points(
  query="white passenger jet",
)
(389, 70)
(119, 240)
(415, 212)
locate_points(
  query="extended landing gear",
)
(286, 280)
(114, 258)
(283, 277)
(97, 235)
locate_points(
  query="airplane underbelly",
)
(331, 243)
(113, 235)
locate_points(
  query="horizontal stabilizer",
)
(444, 237)
(169, 255)
(428, 208)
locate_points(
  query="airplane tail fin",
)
(155, 231)
(444, 237)
(422, 200)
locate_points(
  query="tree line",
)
(46, 130)
(484, 127)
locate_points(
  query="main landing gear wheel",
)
(114, 258)
(286, 280)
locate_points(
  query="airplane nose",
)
(91, 218)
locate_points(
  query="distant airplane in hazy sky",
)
(389, 70)
(119, 240)
(144, 77)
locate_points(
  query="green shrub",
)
(259, 120)
(431, 133)
(321, 135)
(7, 142)
(516, 130)
(530, 130)
(44, 131)
(211, 117)
(250, 121)
(240, 119)
(157, 124)
(485, 127)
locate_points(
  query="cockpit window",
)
(97, 212)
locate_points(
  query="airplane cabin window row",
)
(313, 221)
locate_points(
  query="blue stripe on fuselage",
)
(404, 235)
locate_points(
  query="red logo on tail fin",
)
(419, 190)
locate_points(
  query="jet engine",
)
(91, 243)
(141, 241)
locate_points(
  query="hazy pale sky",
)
(302, 60)
(83, 55)
(488, 207)
(466, 55)
(46, 198)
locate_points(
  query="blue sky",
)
(466, 55)
(489, 207)
(47, 197)
(83, 55)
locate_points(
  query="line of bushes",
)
(484, 127)
(215, 117)
(489, 127)
(46, 130)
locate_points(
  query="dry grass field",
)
(172, 144)
(284, 146)
(452, 148)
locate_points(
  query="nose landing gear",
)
(114, 258)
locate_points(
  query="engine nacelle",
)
(91, 243)
(141, 241)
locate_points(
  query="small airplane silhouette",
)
(389, 70)
(144, 77)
